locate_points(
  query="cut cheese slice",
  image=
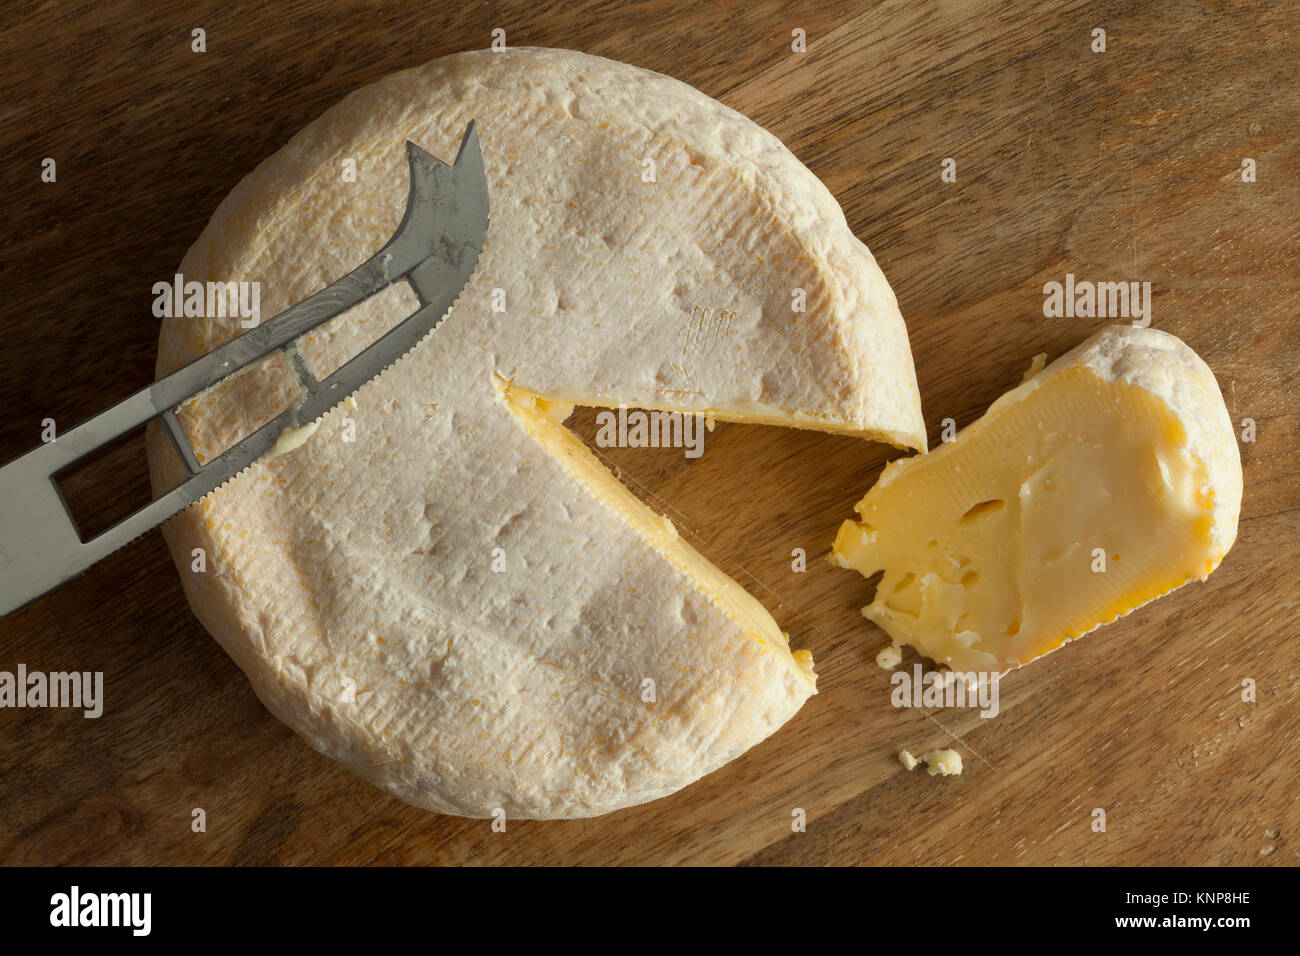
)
(1104, 481)
(441, 587)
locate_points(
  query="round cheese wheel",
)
(441, 587)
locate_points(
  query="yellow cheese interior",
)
(544, 418)
(1070, 503)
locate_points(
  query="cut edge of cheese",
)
(1162, 364)
(543, 419)
(990, 569)
(751, 413)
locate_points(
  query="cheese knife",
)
(435, 250)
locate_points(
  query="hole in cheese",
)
(976, 511)
(1009, 537)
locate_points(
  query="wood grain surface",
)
(1122, 165)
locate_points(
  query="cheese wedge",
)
(1105, 480)
(442, 587)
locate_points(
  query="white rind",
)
(366, 565)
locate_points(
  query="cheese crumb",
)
(1038, 363)
(291, 438)
(943, 763)
(890, 657)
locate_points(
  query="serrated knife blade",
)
(435, 250)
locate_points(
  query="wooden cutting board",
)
(1118, 165)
